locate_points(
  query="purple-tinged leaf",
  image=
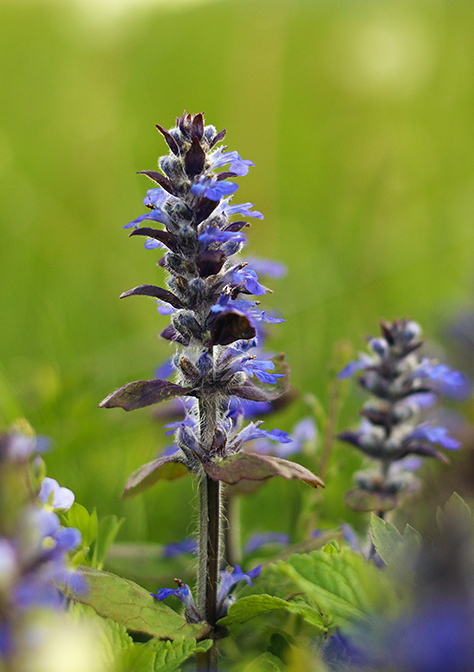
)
(155, 292)
(204, 209)
(426, 451)
(253, 467)
(210, 262)
(194, 159)
(141, 393)
(235, 226)
(225, 175)
(197, 127)
(218, 137)
(163, 236)
(386, 330)
(253, 393)
(165, 468)
(160, 179)
(171, 334)
(170, 141)
(230, 326)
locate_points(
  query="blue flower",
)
(256, 541)
(267, 267)
(225, 302)
(213, 189)
(215, 235)
(57, 497)
(303, 432)
(183, 593)
(242, 209)
(448, 381)
(164, 308)
(155, 199)
(238, 165)
(165, 370)
(229, 579)
(360, 364)
(259, 368)
(180, 548)
(434, 435)
(19, 447)
(249, 279)
(252, 432)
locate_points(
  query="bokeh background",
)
(359, 118)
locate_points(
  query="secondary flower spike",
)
(401, 384)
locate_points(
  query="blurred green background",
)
(359, 117)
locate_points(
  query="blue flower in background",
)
(304, 432)
(434, 435)
(180, 548)
(402, 386)
(257, 541)
(57, 497)
(447, 381)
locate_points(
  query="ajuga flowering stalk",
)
(214, 325)
(401, 383)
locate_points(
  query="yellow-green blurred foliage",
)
(358, 115)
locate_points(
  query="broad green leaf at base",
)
(132, 606)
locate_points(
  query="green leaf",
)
(117, 651)
(456, 512)
(87, 524)
(140, 658)
(108, 530)
(255, 605)
(250, 606)
(386, 538)
(267, 662)
(170, 655)
(393, 547)
(114, 643)
(342, 584)
(132, 606)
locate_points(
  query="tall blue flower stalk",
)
(401, 384)
(214, 326)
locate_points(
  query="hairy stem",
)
(209, 536)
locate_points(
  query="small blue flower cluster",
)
(402, 384)
(229, 578)
(34, 546)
